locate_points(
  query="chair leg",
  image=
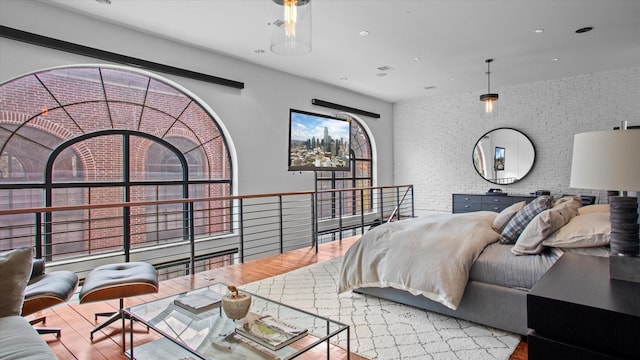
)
(42, 319)
(113, 318)
(44, 330)
(48, 330)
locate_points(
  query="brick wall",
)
(434, 137)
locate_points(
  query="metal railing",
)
(184, 236)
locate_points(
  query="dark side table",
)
(576, 312)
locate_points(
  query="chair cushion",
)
(15, 269)
(48, 289)
(115, 281)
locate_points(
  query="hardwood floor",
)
(77, 320)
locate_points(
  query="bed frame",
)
(492, 305)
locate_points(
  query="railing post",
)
(126, 231)
(361, 211)
(281, 226)
(381, 202)
(340, 212)
(398, 202)
(413, 210)
(314, 221)
(192, 238)
(38, 240)
(241, 230)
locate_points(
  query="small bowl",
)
(236, 307)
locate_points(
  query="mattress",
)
(497, 265)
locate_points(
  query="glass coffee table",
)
(177, 333)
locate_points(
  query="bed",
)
(462, 265)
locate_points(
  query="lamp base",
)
(626, 268)
(624, 225)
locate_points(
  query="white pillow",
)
(593, 208)
(586, 230)
(505, 215)
(564, 199)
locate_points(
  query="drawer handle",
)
(496, 208)
(466, 198)
(466, 206)
(496, 200)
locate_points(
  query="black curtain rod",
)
(344, 108)
(40, 40)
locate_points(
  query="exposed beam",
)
(40, 40)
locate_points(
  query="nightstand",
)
(576, 312)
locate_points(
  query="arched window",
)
(104, 134)
(360, 176)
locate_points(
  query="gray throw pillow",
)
(15, 269)
(521, 219)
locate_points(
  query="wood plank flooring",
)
(77, 320)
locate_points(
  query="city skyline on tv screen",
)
(318, 142)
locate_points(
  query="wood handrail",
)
(180, 201)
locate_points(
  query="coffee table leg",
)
(348, 343)
(131, 337)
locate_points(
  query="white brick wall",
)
(434, 137)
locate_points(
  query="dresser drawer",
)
(497, 200)
(497, 207)
(464, 198)
(459, 207)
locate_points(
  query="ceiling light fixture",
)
(291, 32)
(489, 99)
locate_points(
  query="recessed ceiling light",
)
(451, 78)
(430, 87)
(381, 74)
(555, 59)
(364, 33)
(106, 2)
(344, 78)
(385, 68)
(539, 31)
(416, 59)
(258, 51)
(584, 29)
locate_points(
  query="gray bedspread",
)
(498, 266)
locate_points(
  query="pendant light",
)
(291, 29)
(489, 99)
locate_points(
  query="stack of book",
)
(268, 331)
(199, 302)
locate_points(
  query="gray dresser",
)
(475, 202)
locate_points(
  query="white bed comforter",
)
(429, 256)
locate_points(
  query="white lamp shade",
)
(606, 160)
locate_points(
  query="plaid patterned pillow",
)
(516, 225)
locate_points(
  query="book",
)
(199, 302)
(269, 331)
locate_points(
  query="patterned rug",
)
(383, 329)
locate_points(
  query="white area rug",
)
(383, 329)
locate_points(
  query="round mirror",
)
(503, 156)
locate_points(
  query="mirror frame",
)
(503, 128)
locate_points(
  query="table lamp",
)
(610, 160)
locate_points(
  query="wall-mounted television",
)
(318, 142)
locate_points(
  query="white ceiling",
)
(451, 38)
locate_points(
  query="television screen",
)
(318, 142)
